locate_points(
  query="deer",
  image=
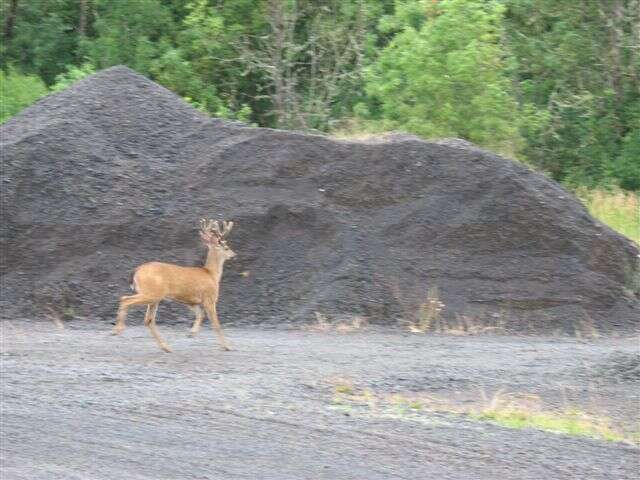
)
(196, 287)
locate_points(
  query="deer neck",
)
(214, 264)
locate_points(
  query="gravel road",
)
(82, 404)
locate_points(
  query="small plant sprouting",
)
(355, 323)
(428, 313)
(344, 389)
(321, 323)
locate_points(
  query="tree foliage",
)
(444, 75)
(130, 33)
(554, 82)
(63, 80)
(579, 62)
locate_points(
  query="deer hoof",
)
(165, 348)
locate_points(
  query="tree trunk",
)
(276, 21)
(617, 34)
(10, 22)
(634, 60)
(616, 16)
(82, 22)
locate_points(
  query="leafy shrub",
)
(18, 91)
(72, 75)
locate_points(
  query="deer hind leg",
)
(126, 302)
(212, 313)
(150, 321)
(120, 321)
(122, 316)
(197, 309)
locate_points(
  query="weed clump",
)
(620, 210)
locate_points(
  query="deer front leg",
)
(150, 321)
(198, 321)
(212, 313)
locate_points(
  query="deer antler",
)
(210, 230)
(221, 232)
(215, 228)
(226, 228)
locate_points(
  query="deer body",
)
(196, 287)
(188, 285)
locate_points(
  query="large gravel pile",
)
(117, 170)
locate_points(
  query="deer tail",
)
(132, 284)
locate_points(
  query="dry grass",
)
(620, 210)
(55, 317)
(345, 394)
(428, 313)
(321, 325)
(356, 323)
(585, 329)
(460, 326)
(359, 136)
(353, 324)
(354, 129)
(428, 319)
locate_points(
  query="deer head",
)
(213, 237)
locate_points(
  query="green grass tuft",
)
(570, 422)
(344, 389)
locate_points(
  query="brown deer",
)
(196, 287)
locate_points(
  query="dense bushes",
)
(554, 83)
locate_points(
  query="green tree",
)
(40, 36)
(132, 33)
(579, 63)
(201, 63)
(444, 73)
(627, 166)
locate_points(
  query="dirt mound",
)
(116, 170)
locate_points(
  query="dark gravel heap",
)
(116, 171)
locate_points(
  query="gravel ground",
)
(82, 404)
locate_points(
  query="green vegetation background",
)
(554, 83)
